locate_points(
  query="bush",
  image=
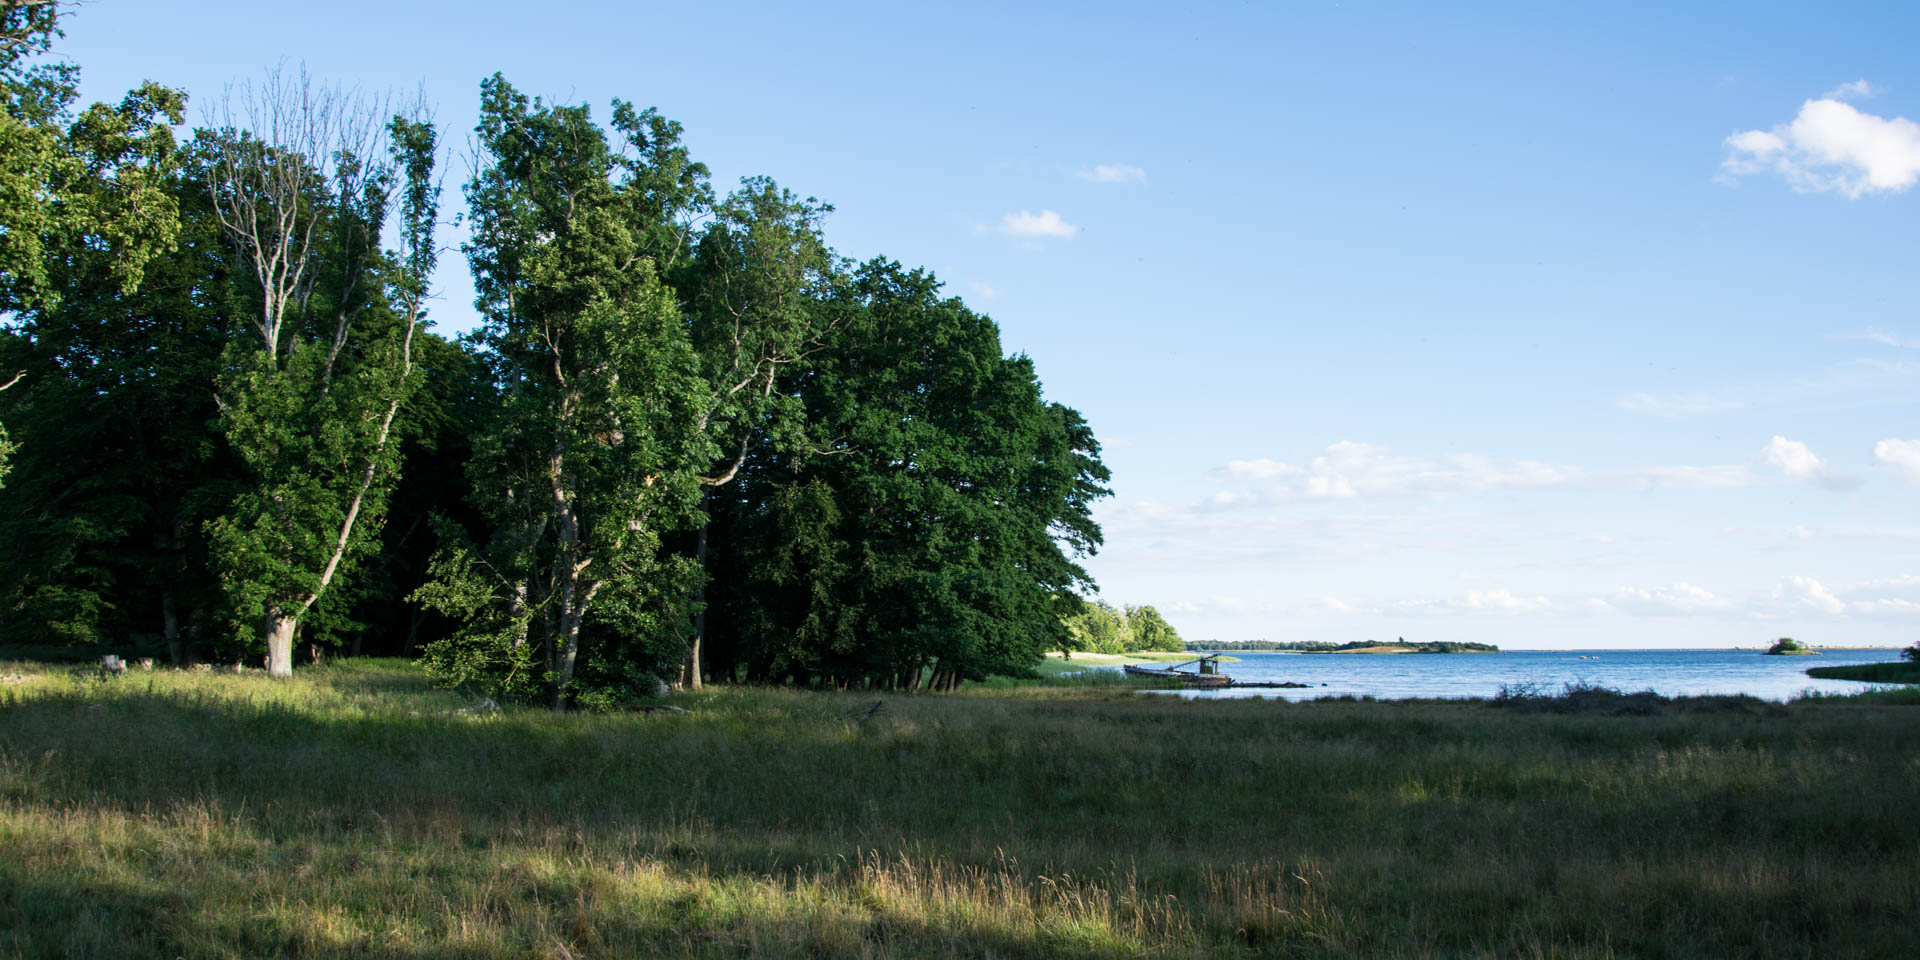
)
(1911, 654)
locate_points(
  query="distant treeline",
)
(1321, 646)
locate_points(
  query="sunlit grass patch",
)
(350, 812)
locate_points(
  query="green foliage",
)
(1150, 631)
(1099, 628)
(688, 441)
(1788, 645)
(310, 396)
(594, 448)
(1902, 671)
(928, 532)
(87, 186)
(92, 180)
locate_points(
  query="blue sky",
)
(1546, 327)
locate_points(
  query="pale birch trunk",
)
(280, 631)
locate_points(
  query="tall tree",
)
(935, 540)
(757, 290)
(74, 182)
(121, 464)
(310, 394)
(1151, 631)
(596, 448)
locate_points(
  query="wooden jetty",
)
(1205, 673)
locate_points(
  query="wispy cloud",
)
(1350, 470)
(1113, 173)
(1832, 146)
(1904, 454)
(982, 290)
(1890, 596)
(1799, 462)
(1883, 338)
(1857, 90)
(1853, 378)
(1484, 602)
(1046, 223)
(1692, 403)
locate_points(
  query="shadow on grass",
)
(232, 816)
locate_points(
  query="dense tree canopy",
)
(689, 443)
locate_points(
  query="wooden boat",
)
(1205, 672)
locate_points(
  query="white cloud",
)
(1885, 596)
(1045, 224)
(1904, 454)
(1883, 338)
(1891, 605)
(1794, 459)
(1807, 593)
(1857, 90)
(1113, 173)
(1503, 601)
(1832, 146)
(1491, 602)
(1350, 470)
(1679, 598)
(1336, 605)
(983, 291)
(1799, 462)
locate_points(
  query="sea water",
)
(1668, 672)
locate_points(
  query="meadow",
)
(349, 812)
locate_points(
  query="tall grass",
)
(348, 813)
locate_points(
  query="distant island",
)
(1400, 645)
(1789, 647)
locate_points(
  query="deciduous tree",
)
(311, 392)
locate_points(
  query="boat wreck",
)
(1205, 674)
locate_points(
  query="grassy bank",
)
(345, 814)
(1901, 671)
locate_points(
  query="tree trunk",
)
(280, 631)
(170, 627)
(569, 653)
(575, 595)
(690, 674)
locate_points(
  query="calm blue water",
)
(1669, 672)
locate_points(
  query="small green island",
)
(1399, 645)
(1789, 647)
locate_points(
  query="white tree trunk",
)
(280, 631)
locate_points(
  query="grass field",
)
(345, 813)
